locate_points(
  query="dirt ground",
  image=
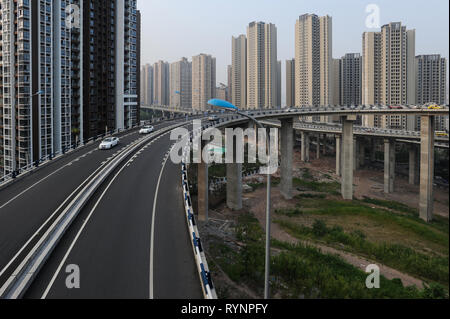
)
(258, 209)
(367, 183)
(370, 183)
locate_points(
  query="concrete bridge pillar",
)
(287, 154)
(427, 167)
(373, 151)
(318, 147)
(348, 157)
(202, 187)
(389, 165)
(412, 164)
(355, 154)
(305, 147)
(362, 153)
(338, 155)
(234, 186)
(324, 145)
(253, 140)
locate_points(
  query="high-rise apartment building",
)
(350, 79)
(127, 102)
(40, 58)
(432, 84)
(336, 81)
(147, 84)
(313, 59)
(262, 66)
(290, 83)
(229, 83)
(161, 83)
(181, 84)
(431, 79)
(239, 71)
(389, 73)
(203, 81)
(221, 92)
(279, 72)
(326, 57)
(110, 68)
(138, 65)
(69, 70)
(371, 75)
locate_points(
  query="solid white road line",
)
(53, 173)
(56, 274)
(152, 235)
(63, 261)
(40, 181)
(48, 220)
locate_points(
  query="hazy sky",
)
(172, 29)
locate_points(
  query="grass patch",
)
(391, 205)
(311, 196)
(432, 232)
(332, 188)
(304, 271)
(439, 222)
(393, 255)
(300, 271)
(289, 212)
(307, 174)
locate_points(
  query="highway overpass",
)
(119, 214)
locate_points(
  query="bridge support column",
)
(412, 164)
(203, 191)
(356, 154)
(203, 182)
(234, 186)
(338, 155)
(389, 166)
(427, 167)
(287, 154)
(373, 151)
(348, 157)
(362, 153)
(305, 147)
(318, 147)
(324, 145)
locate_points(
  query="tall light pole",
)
(227, 105)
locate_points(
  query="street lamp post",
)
(227, 105)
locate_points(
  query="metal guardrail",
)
(4, 180)
(362, 130)
(307, 111)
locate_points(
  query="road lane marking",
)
(47, 221)
(56, 274)
(63, 261)
(152, 235)
(61, 168)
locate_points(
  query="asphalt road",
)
(28, 204)
(111, 240)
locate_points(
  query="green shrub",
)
(320, 228)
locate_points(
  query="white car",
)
(213, 118)
(109, 143)
(146, 130)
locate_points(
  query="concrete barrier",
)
(208, 288)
